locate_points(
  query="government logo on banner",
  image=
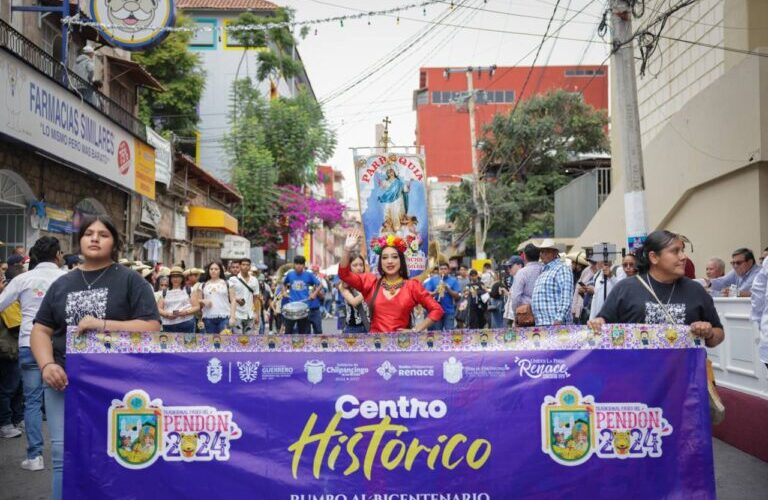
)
(133, 24)
(573, 428)
(142, 430)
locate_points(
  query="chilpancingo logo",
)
(386, 440)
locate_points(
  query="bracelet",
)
(45, 365)
(104, 328)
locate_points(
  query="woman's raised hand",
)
(353, 240)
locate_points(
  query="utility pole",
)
(628, 123)
(478, 189)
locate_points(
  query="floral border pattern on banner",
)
(572, 337)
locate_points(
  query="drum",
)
(295, 310)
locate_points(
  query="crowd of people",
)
(46, 293)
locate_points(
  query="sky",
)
(474, 33)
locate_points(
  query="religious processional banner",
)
(558, 412)
(392, 189)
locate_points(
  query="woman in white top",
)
(178, 305)
(217, 299)
(603, 286)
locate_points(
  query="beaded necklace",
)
(392, 286)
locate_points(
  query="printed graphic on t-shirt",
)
(654, 313)
(86, 303)
(298, 285)
(40, 287)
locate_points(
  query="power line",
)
(469, 15)
(579, 12)
(363, 78)
(399, 78)
(720, 47)
(535, 58)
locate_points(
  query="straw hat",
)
(124, 262)
(176, 270)
(146, 272)
(547, 244)
(579, 258)
(164, 271)
(196, 270)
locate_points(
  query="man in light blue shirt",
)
(743, 274)
(446, 290)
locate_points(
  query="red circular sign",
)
(123, 158)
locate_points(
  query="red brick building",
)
(444, 131)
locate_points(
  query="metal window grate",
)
(18, 45)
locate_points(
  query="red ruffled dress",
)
(391, 315)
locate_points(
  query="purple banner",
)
(523, 413)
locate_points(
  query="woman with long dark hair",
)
(178, 305)
(356, 308)
(391, 296)
(100, 296)
(660, 292)
(218, 299)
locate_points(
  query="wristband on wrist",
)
(45, 365)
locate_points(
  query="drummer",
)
(391, 296)
(303, 287)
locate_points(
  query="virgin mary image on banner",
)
(393, 201)
(394, 198)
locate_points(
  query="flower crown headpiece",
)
(396, 242)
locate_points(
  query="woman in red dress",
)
(391, 297)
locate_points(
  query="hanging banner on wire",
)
(392, 191)
(133, 25)
(486, 414)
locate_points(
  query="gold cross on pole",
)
(385, 135)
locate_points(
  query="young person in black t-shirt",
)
(661, 266)
(100, 296)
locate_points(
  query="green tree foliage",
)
(277, 61)
(273, 143)
(180, 72)
(524, 154)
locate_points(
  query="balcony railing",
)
(15, 43)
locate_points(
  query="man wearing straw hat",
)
(552, 294)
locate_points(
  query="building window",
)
(207, 37)
(421, 97)
(584, 72)
(482, 97)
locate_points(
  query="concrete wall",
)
(678, 71)
(705, 169)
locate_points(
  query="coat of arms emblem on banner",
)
(314, 369)
(567, 426)
(135, 430)
(575, 427)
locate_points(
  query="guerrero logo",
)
(573, 428)
(142, 430)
